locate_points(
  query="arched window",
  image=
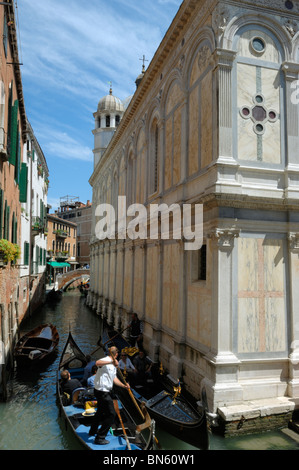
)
(107, 121)
(117, 120)
(154, 159)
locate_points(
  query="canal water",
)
(30, 420)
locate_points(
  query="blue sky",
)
(70, 51)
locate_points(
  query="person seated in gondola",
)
(127, 368)
(87, 369)
(90, 380)
(143, 366)
(68, 385)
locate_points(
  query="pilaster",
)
(293, 385)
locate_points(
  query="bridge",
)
(66, 279)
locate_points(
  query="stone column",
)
(222, 84)
(291, 71)
(293, 385)
(222, 382)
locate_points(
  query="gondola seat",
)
(76, 393)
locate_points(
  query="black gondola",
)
(165, 403)
(125, 436)
(37, 345)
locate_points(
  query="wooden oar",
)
(116, 407)
(131, 394)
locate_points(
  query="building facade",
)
(81, 214)
(214, 122)
(34, 191)
(12, 139)
(61, 246)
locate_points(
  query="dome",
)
(110, 103)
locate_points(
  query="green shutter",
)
(18, 158)
(1, 212)
(26, 253)
(40, 256)
(14, 133)
(23, 182)
(33, 154)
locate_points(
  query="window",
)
(107, 121)
(199, 264)
(26, 253)
(154, 160)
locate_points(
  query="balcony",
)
(62, 255)
(60, 233)
(37, 226)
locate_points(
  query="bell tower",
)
(107, 118)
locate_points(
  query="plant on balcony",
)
(40, 169)
(9, 251)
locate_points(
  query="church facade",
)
(214, 122)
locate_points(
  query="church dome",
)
(110, 104)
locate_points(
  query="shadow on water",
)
(30, 419)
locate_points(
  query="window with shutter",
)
(14, 133)
(23, 182)
(26, 253)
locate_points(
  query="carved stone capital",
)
(225, 237)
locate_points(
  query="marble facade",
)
(212, 123)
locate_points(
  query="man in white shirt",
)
(103, 383)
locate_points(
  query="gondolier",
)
(136, 331)
(103, 383)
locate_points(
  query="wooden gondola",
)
(165, 402)
(37, 345)
(125, 435)
(54, 295)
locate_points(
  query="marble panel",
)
(138, 280)
(152, 267)
(275, 324)
(271, 53)
(247, 263)
(248, 325)
(171, 275)
(174, 98)
(128, 278)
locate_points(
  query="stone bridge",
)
(65, 280)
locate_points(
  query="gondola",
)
(54, 295)
(165, 402)
(75, 410)
(37, 345)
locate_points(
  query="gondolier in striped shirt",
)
(103, 384)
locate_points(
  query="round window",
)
(259, 129)
(258, 45)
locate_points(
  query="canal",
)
(30, 419)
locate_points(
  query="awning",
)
(55, 264)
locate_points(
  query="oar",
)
(116, 407)
(131, 394)
(110, 339)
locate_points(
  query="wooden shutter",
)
(14, 133)
(23, 182)
(26, 253)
